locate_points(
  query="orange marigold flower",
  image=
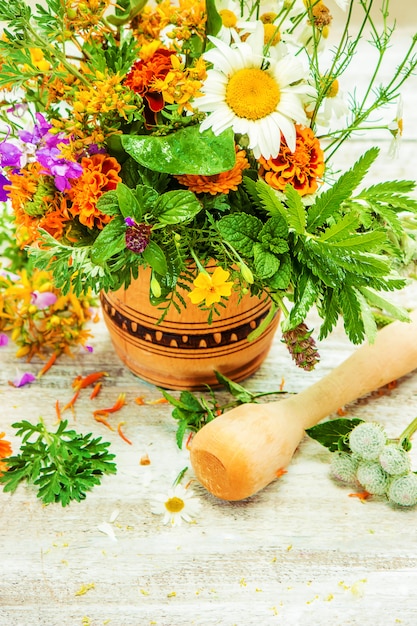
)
(302, 168)
(218, 183)
(5, 451)
(100, 174)
(141, 80)
(36, 204)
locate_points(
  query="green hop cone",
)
(372, 477)
(367, 440)
(403, 490)
(343, 467)
(395, 460)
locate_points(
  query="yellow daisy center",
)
(252, 94)
(229, 19)
(334, 89)
(174, 505)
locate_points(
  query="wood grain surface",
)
(300, 552)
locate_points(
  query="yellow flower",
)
(211, 287)
(38, 60)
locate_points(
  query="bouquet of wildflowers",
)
(167, 135)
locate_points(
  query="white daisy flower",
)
(232, 21)
(177, 505)
(254, 98)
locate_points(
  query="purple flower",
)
(3, 193)
(61, 169)
(10, 275)
(40, 129)
(4, 340)
(137, 236)
(10, 154)
(24, 378)
(43, 300)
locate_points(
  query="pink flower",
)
(23, 379)
(43, 300)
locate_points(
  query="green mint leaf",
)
(128, 203)
(187, 151)
(108, 203)
(274, 235)
(282, 278)
(174, 207)
(241, 231)
(155, 257)
(266, 264)
(333, 433)
(110, 241)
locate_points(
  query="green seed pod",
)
(367, 440)
(246, 273)
(395, 460)
(372, 477)
(155, 287)
(343, 467)
(403, 490)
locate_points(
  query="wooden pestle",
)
(243, 450)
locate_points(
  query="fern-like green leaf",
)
(351, 311)
(328, 203)
(297, 218)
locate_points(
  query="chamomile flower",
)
(177, 505)
(254, 98)
(232, 20)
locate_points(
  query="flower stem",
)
(408, 432)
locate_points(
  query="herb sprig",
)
(192, 413)
(63, 465)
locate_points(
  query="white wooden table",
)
(300, 552)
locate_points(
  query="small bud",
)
(155, 287)
(367, 440)
(395, 460)
(372, 477)
(246, 273)
(343, 467)
(403, 490)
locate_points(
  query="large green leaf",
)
(241, 230)
(110, 241)
(186, 151)
(178, 206)
(332, 434)
(155, 257)
(129, 206)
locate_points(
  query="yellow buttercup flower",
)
(211, 287)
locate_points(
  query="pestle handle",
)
(245, 449)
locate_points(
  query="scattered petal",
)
(108, 530)
(23, 379)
